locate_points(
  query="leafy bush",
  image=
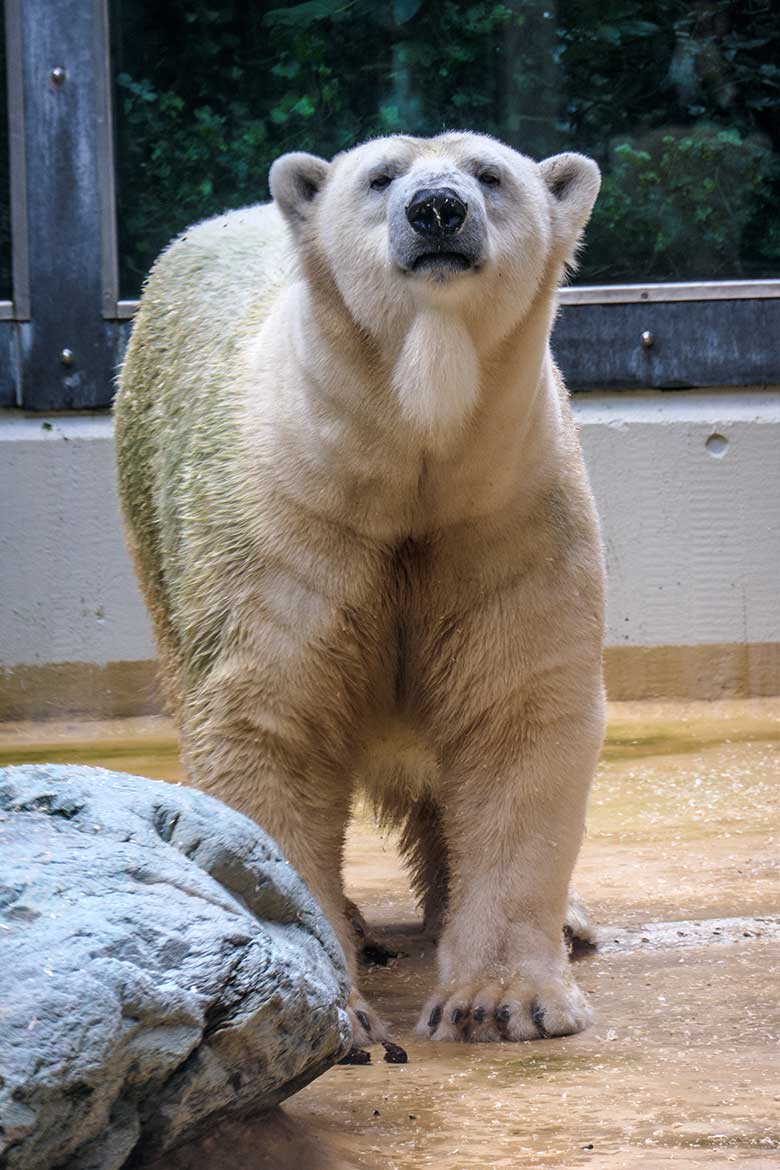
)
(679, 103)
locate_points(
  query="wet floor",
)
(680, 869)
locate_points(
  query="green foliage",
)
(681, 201)
(679, 103)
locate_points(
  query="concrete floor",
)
(682, 1065)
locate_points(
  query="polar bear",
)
(361, 519)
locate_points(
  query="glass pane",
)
(5, 190)
(678, 102)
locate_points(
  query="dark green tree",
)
(679, 103)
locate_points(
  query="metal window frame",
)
(64, 332)
(693, 290)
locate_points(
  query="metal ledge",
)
(696, 290)
(622, 294)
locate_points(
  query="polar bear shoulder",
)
(220, 272)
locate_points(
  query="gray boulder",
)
(160, 965)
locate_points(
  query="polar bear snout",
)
(437, 231)
(437, 212)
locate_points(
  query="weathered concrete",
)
(162, 966)
(68, 589)
(686, 484)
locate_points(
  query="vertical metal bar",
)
(68, 350)
(105, 160)
(20, 259)
(8, 364)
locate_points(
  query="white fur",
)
(436, 376)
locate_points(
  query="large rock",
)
(160, 965)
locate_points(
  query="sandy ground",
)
(682, 1065)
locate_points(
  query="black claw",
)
(394, 1053)
(479, 1015)
(537, 1015)
(356, 1056)
(503, 1013)
(364, 1020)
(435, 1017)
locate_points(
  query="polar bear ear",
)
(296, 180)
(573, 181)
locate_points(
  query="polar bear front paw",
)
(525, 1007)
(367, 1028)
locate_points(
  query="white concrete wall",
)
(67, 590)
(687, 483)
(688, 488)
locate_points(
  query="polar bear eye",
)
(489, 179)
(380, 182)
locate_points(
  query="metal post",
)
(62, 169)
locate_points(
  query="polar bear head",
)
(439, 249)
(456, 221)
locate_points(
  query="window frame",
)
(63, 334)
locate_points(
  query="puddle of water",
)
(144, 747)
(680, 1067)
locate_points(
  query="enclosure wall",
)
(687, 485)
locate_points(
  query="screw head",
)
(647, 339)
(67, 357)
(57, 76)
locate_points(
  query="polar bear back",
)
(223, 274)
(207, 295)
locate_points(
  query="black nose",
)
(436, 212)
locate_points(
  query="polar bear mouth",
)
(442, 262)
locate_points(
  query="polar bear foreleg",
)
(514, 829)
(265, 731)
